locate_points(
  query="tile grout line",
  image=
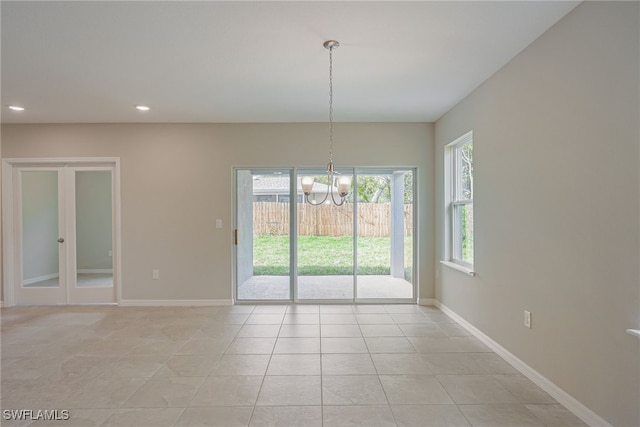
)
(264, 377)
(321, 379)
(393, 416)
(188, 405)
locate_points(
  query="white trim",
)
(635, 332)
(451, 183)
(564, 398)
(116, 249)
(428, 301)
(61, 160)
(10, 219)
(40, 279)
(8, 238)
(458, 267)
(467, 137)
(95, 271)
(174, 302)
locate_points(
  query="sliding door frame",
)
(293, 227)
(293, 240)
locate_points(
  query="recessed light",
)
(142, 107)
(16, 108)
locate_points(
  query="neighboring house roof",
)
(280, 185)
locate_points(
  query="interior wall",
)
(177, 180)
(556, 199)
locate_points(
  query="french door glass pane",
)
(263, 240)
(385, 235)
(324, 242)
(94, 252)
(40, 247)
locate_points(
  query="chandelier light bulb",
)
(344, 184)
(307, 184)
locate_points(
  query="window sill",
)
(459, 267)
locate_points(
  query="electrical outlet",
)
(527, 319)
(110, 253)
(156, 274)
(218, 223)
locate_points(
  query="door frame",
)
(293, 227)
(293, 233)
(10, 246)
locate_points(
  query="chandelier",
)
(335, 183)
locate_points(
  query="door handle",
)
(235, 236)
(61, 240)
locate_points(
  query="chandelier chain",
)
(331, 104)
(335, 183)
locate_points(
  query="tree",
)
(374, 188)
(377, 188)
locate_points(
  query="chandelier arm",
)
(342, 200)
(318, 203)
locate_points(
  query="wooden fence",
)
(374, 219)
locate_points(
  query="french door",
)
(289, 249)
(63, 231)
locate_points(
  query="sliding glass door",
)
(262, 235)
(384, 235)
(362, 251)
(325, 243)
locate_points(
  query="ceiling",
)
(240, 61)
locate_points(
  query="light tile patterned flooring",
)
(297, 365)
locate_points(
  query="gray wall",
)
(556, 151)
(177, 179)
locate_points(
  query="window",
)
(460, 203)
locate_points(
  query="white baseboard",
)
(174, 303)
(40, 278)
(564, 398)
(95, 270)
(428, 301)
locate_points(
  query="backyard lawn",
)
(323, 255)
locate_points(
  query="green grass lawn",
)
(323, 255)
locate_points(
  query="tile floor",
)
(304, 365)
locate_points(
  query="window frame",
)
(453, 203)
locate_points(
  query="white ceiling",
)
(86, 62)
